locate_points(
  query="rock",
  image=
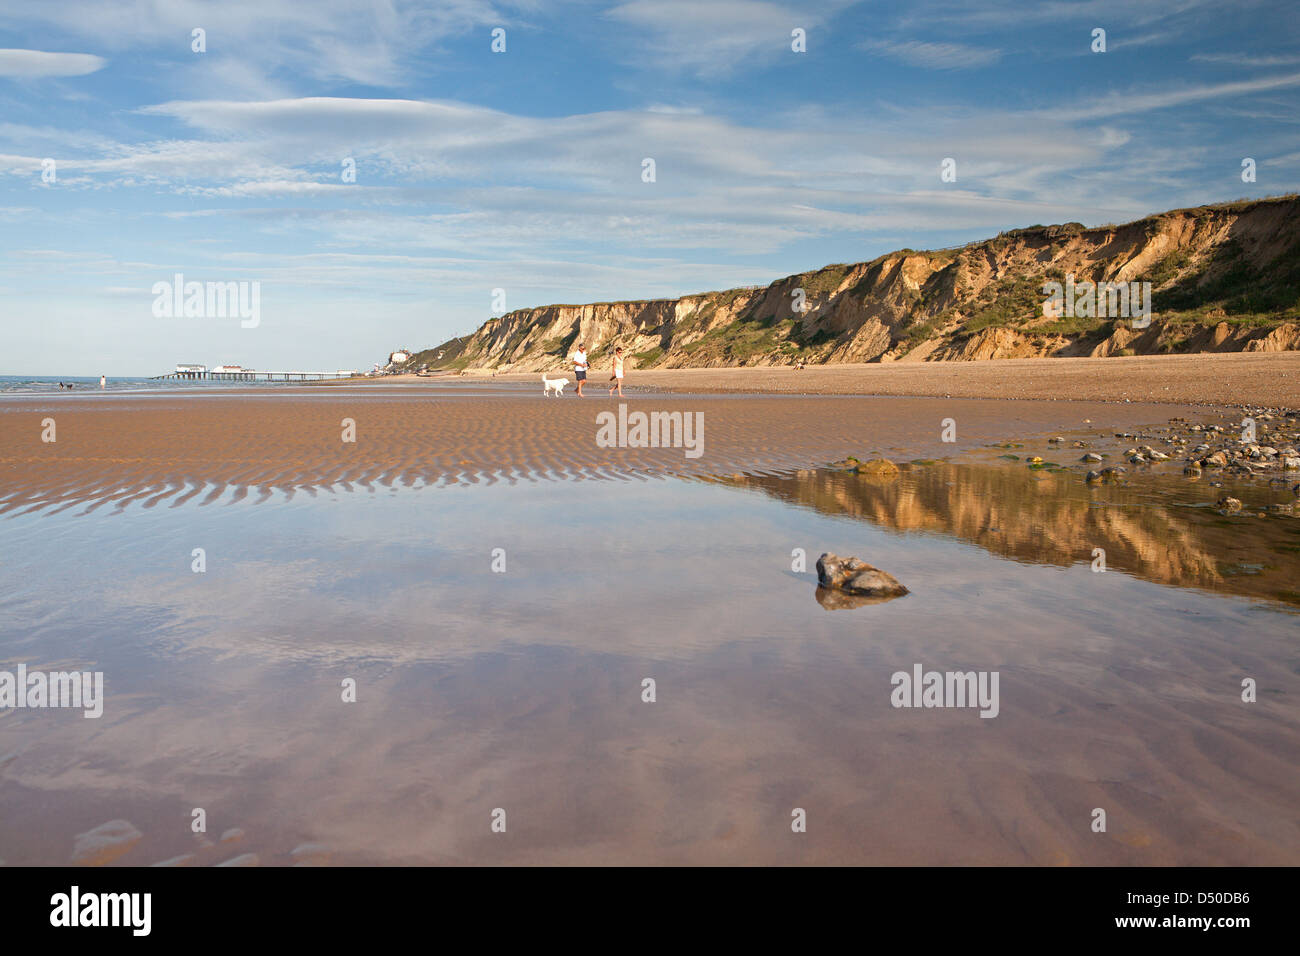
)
(185, 859)
(1158, 456)
(1229, 505)
(1058, 438)
(233, 835)
(1091, 456)
(854, 576)
(1217, 460)
(1192, 471)
(879, 467)
(245, 859)
(311, 854)
(1291, 464)
(1093, 476)
(105, 843)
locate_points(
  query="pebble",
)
(246, 859)
(105, 843)
(311, 854)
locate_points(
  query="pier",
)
(235, 373)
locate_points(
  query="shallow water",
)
(522, 690)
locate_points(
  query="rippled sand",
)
(171, 450)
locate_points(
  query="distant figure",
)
(617, 377)
(580, 365)
(103, 381)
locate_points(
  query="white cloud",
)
(34, 64)
(937, 56)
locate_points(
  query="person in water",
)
(617, 377)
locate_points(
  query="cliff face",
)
(1224, 278)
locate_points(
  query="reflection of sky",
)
(475, 684)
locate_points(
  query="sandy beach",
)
(499, 610)
(1260, 378)
(170, 449)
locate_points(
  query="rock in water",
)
(856, 577)
(105, 843)
(878, 468)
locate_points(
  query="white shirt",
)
(580, 360)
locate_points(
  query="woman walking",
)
(617, 377)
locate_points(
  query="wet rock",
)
(105, 843)
(1158, 456)
(185, 859)
(1091, 456)
(878, 467)
(1093, 477)
(246, 859)
(855, 576)
(233, 835)
(1291, 463)
(1228, 505)
(311, 854)
(1217, 460)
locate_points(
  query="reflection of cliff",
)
(1051, 519)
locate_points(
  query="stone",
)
(311, 854)
(245, 859)
(855, 576)
(1091, 456)
(1229, 505)
(105, 843)
(878, 467)
(1291, 463)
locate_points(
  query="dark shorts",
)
(582, 376)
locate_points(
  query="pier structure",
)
(237, 373)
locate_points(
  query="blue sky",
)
(522, 170)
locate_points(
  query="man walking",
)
(580, 365)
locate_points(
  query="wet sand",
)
(522, 689)
(1234, 378)
(171, 449)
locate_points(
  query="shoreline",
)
(1229, 379)
(176, 448)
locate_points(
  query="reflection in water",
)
(523, 689)
(1160, 530)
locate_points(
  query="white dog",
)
(553, 384)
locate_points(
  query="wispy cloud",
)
(34, 64)
(935, 56)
